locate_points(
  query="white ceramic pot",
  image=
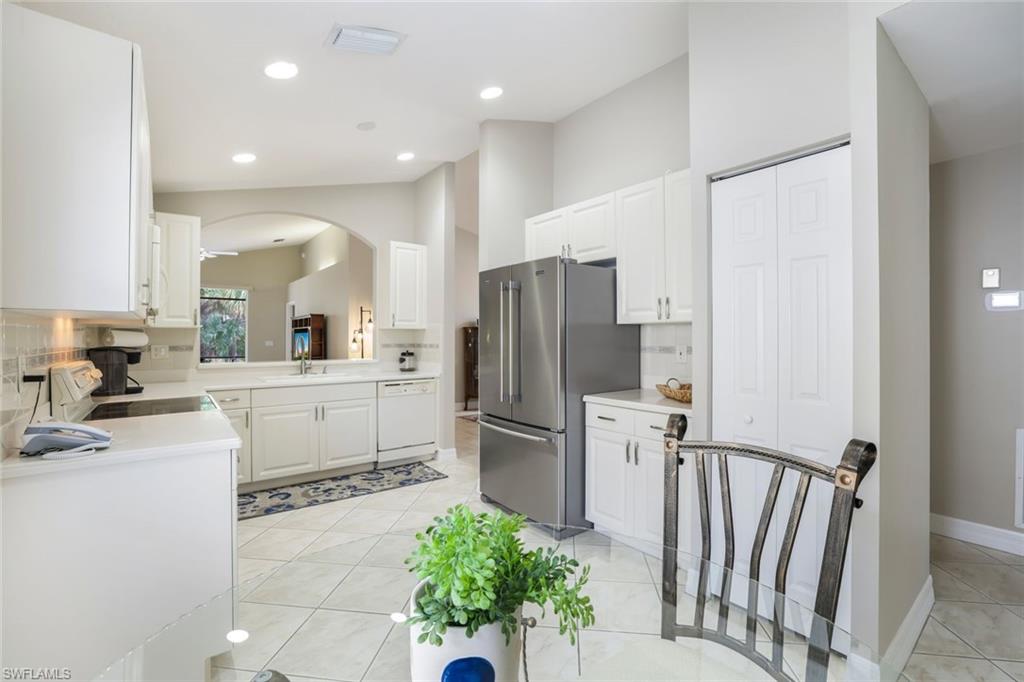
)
(428, 661)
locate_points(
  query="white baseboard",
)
(902, 644)
(979, 534)
(446, 454)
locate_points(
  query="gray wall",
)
(632, 134)
(435, 227)
(977, 358)
(904, 454)
(515, 183)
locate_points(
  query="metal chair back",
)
(857, 460)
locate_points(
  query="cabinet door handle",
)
(323, 412)
(668, 309)
(229, 400)
(392, 319)
(563, 250)
(316, 413)
(195, 317)
(659, 307)
(604, 418)
(627, 451)
(247, 419)
(636, 453)
(568, 249)
(657, 428)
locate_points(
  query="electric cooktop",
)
(148, 408)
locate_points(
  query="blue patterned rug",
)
(301, 495)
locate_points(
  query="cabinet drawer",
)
(230, 400)
(649, 424)
(297, 395)
(610, 418)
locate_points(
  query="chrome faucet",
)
(305, 364)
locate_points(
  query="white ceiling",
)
(208, 97)
(968, 60)
(253, 232)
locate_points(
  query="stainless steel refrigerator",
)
(547, 337)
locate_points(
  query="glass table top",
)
(337, 611)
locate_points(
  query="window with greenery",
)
(222, 324)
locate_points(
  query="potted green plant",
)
(475, 576)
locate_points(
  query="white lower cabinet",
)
(295, 430)
(609, 494)
(285, 441)
(240, 421)
(348, 433)
(625, 479)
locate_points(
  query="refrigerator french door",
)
(547, 336)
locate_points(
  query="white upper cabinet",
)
(175, 271)
(408, 286)
(76, 169)
(640, 223)
(591, 234)
(584, 231)
(655, 254)
(546, 234)
(678, 248)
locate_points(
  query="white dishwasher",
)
(406, 419)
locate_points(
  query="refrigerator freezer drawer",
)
(521, 469)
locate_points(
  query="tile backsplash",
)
(31, 344)
(659, 347)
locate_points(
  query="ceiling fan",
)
(204, 253)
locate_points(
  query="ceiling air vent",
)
(364, 39)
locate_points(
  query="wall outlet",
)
(269, 343)
(159, 352)
(683, 354)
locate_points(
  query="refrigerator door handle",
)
(513, 329)
(510, 432)
(501, 346)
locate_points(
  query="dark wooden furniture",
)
(857, 460)
(313, 328)
(471, 364)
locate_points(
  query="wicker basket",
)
(681, 392)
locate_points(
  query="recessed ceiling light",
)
(406, 156)
(366, 126)
(492, 92)
(244, 157)
(281, 70)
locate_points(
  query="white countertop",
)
(139, 439)
(152, 437)
(645, 399)
(229, 380)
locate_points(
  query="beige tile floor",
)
(321, 616)
(976, 629)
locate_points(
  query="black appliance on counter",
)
(113, 362)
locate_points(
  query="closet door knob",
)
(748, 419)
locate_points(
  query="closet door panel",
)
(744, 246)
(815, 333)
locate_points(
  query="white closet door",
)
(744, 248)
(815, 335)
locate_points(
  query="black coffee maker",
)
(113, 362)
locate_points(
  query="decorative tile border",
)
(35, 360)
(410, 345)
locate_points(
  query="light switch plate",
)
(990, 278)
(159, 352)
